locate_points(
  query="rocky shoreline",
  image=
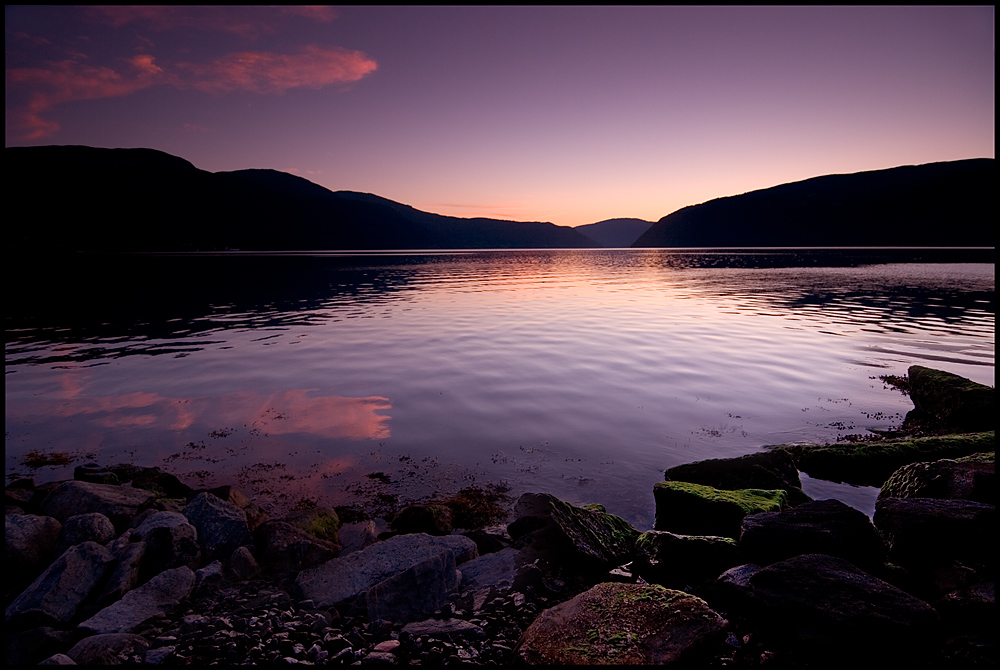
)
(742, 569)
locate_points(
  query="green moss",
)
(325, 526)
(749, 500)
(871, 463)
(595, 507)
(984, 457)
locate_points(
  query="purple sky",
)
(562, 114)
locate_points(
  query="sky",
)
(565, 114)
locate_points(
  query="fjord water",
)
(583, 373)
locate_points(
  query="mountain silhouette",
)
(949, 204)
(615, 233)
(78, 198)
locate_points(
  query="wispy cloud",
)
(266, 72)
(34, 92)
(71, 80)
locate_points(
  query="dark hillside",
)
(87, 199)
(937, 204)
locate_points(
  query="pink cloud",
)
(266, 72)
(71, 80)
(255, 71)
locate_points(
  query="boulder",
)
(443, 629)
(822, 607)
(30, 543)
(58, 659)
(623, 624)
(818, 527)
(243, 565)
(430, 519)
(762, 470)
(949, 400)
(320, 522)
(118, 503)
(255, 515)
(677, 561)
(491, 569)
(414, 594)
(694, 509)
(164, 591)
(163, 484)
(921, 531)
(221, 525)
(963, 479)
(171, 541)
(283, 548)
(585, 541)
(126, 573)
(110, 649)
(93, 526)
(347, 577)
(356, 536)
(54, 597)
(92, 472)
(871, 463)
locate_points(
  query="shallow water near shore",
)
(348, 378)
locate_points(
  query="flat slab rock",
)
(342, 578)
(165, 590)
(623, 624)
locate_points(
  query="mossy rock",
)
(967, 478)
(623, 624)
(320, 522)
(760, 470)
(570, 538)
(871, 463)
(950, 400)
(694, 509)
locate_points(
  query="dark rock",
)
(818, 606)
(221, 525)
(356, 536)
(243, 565)
(415, 593)
(564, 536)
(30, 543)
(762, 470)
(58, 659)
(255, 515)
(490, 570)
(92, 472)
(126, 573)
(163, 484)
(695, 509)
(430, 519)
(93, 527)
(341, 578)
(171, 541)
(931, 530)
(119, 503)
(950, 400)
(109, 649)
(963, 479)
(677, 561)
(818, 527)
(55, 596)
(283, 548)
(623, 624)
(165, 590)
(871, 463)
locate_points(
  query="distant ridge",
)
(615, 233)
(949, 204)
(90, 199)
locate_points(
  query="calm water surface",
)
(583, 373)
